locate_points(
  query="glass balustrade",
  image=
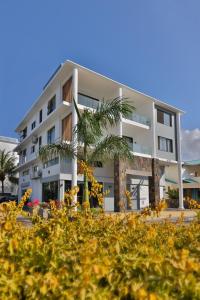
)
(139, 119)
(88, 101)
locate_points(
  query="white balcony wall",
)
(140, 136)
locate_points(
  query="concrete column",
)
(74, 122)
(62, 190)
(119, 183)
(179, 159)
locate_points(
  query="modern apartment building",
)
(152, 132)
(9, 144)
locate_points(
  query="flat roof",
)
(192, 162)
(69, 62)
(7, 139)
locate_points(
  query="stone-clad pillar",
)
(154, 183)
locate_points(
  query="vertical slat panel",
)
(67, 128)
(67, 90)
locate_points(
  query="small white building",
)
(190, 176)
(9, 144)
(152, 131)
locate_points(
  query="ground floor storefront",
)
(143, 179)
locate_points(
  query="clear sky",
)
(151, 45)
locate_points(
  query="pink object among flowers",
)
(35, 202)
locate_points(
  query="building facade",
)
(152, 132)
(190, 176)
(9, 144)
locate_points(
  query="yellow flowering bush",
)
(96, 187)
(192, 204)
(116, 256)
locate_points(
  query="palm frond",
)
(61, 149)
(88, 128)
(110, 147)
(110, 112)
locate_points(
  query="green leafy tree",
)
(7, 168)
(92, 143)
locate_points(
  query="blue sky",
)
(153, 46)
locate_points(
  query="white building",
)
(9, 144)
(190, 176)
(153, 133)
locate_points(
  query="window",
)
(23, 134)
(129, 141)
(33, 125)
(35, 168)
(51, 105)
(40, 142)
(97, 164)
(25, 172)
(165, 144)
(40, 116)
(51, 162)
(164, 117)
(33, 149)
(23, 156)
(50, 191)
(51, 136)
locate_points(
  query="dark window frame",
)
(168, 144)
(49, 138)
(161, 117)
(33, 125)
(40, 116)
(51, 106)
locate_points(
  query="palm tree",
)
(7, 168)
(93, 145)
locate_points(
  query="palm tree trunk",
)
(85, 179)
(2, 186)
(85, 189)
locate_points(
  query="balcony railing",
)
(88, 101)
(139, 119)
(142, 149)
(139, 148)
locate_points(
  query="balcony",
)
(137, 148)
(88, 101)
(139, 119)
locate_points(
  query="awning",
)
(189, 180)
(170, 180)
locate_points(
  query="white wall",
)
(9, 144)
(167, 132)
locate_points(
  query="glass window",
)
(23, 134)
(165, 144)
(129, 141)
(164, 117)
(40, 142)
(51, 162)
(40, 116)
(50, 191)
(33, 149)
(25, 173)
(97, 164)
(51, 105)
(33, 125)
(51, 136)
